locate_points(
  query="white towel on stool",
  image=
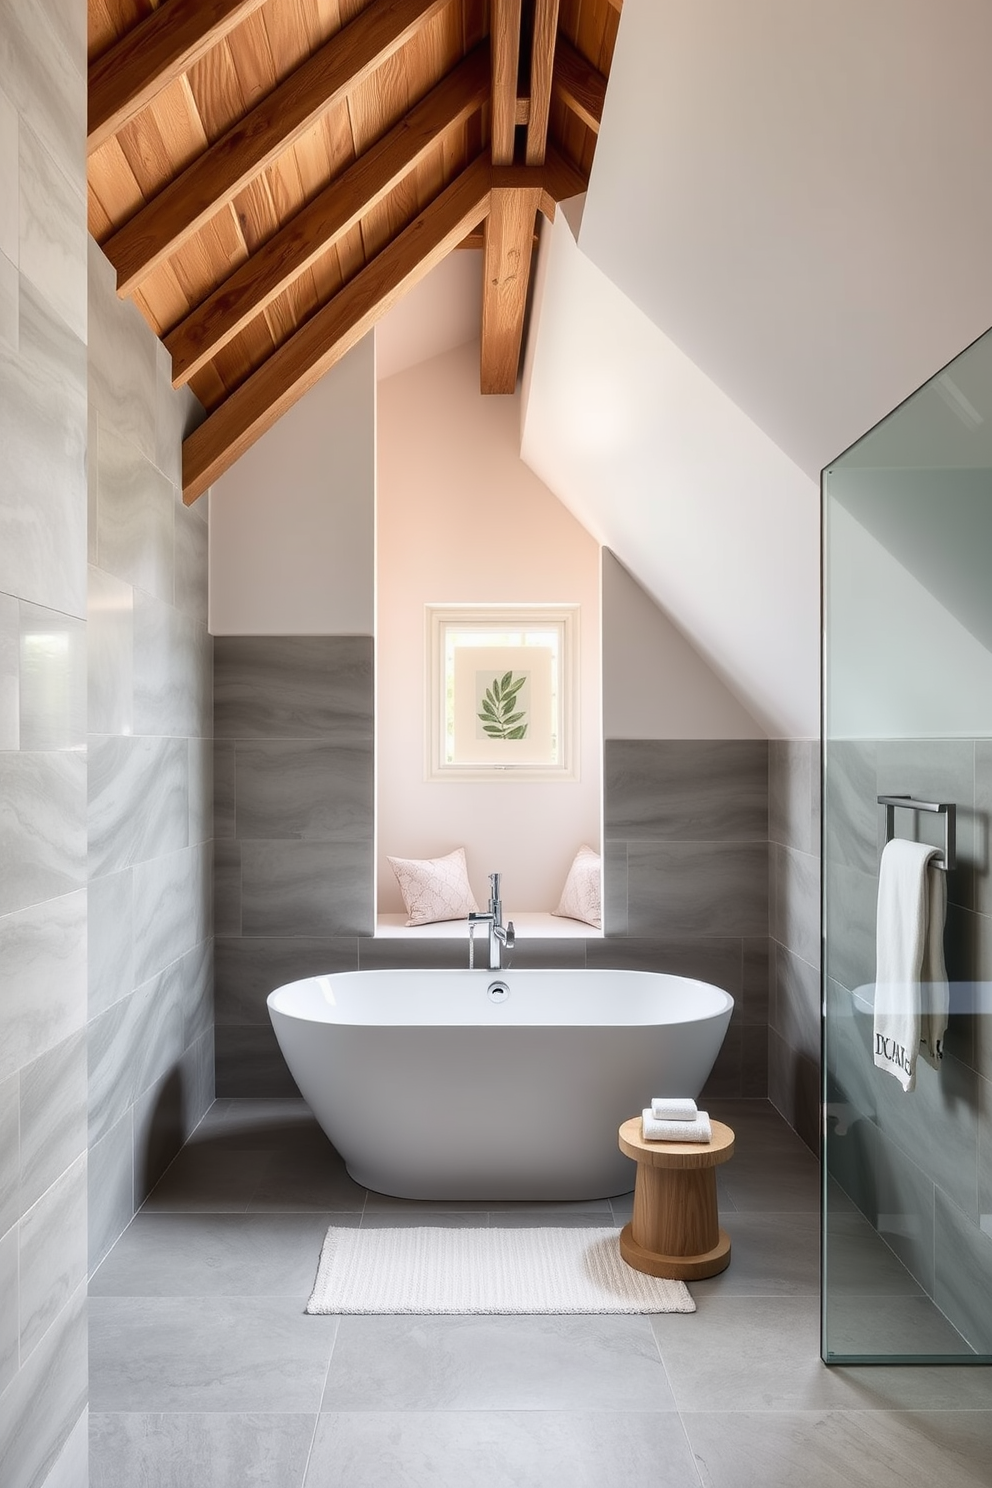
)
(911, 992)
(653, 1130)
(671, 1109)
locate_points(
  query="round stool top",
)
(676, 1154)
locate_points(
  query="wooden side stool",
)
(675, 1231)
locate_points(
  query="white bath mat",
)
(438, 1270)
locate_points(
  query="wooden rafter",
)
(506, 277)
(125, 79)
(541, 64)
(506, 62)
(326, 219)
(578, 85)
(217, 175)
(329, 334)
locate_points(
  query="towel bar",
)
(946, 809)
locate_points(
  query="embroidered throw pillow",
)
(435, 888)
(581, 898)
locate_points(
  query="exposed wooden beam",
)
(617, 4)
(152, 55)
(326, 219)
(541, 63)
(506, 277)
(477, 240)
(505, 33)
(561, 181)
(212, 180)
(333, 330)
(578, 85)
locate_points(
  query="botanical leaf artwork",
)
(500, 716)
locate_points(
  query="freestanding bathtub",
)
(493, 1084)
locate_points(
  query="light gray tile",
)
(175, 1450)
(122, 363)
(794, 919)
(165, 1114)
(177, 413)
(790, 1183)
(92, 481)
(71, 1467)
(615, 886)
(306, 1180)
(303, 789)
(306, 888)
(686, 790)
(172, 670)
(110, 940)
(43, 975)
(772, 1255)
(206, 1354)
(904, 1209)
(171, 908)
(205, 1179)
(43, 436)
(8, 178)
(45, 82)
(196, 1069)
(52, 1116)
(10, 1211)
(132, 1045)
(44, 1403)
(294, 687)
(963, 1273)
(860, 1264)
(496, 1363)
(191, 563)
(246, 971)
(939, 1119)
(9, 672)
(849, 925)
(196, 977)
(43, 822)
(138, 800)
(851, 813)
(110, 651)
(214, 1255)
(111, 1188)
(52, 1255)
(201, 790)
(10, 302)
(53, 679)
(9, 1307)
(867, 1328)
(249, 1062)
(476, 1449)
(795, 1001)
(135, 507)
(790, 771)
(697, 888)
(53, 231)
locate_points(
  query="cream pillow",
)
(435, 888)
(581, 898)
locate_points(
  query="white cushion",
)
(581, 898)
(435, 888)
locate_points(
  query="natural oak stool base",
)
(675, 1231)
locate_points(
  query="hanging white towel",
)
(911, 992)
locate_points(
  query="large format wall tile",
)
(10, 305)
(306, 888)
(293, 687)
(122, 361)
(110, 654)
(52, 232)
(42, 822)
(45, 1401)
(9, 1339)
(132, 1045)
(793, 800)
(52, 1254)
(43, 975)
(138, 800)
(963, 1273)
(10, 641)
(247, 970)
(9, 152)
(135, 521)
(172, 670)
(697, 790)
(171, 908)
(10, 1211)
(46, 83)
(53, 1102)
(303, 788)
(697, 888)
(52, 680)
(111, 940)
(111, 1188)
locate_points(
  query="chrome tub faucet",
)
(501, 937)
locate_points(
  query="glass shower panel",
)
(907, 711)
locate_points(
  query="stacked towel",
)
(911, 991)
(653, 1130)
(667, 1108)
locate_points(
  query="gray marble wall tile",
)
(849, 930)
(306, 888)
(191, 563)
(794, 1088)
(172, 670)
(707, 959)
(249, 1062)
(201, 790)
(52, 232)
(963, 1274)
(135, 515)
(225, 824)
(303, 789)
(45, 82)
(111, 1188)
(138, 800)
(42, 819)
(904, 1210)
(45, 1401)
(754, 1062)
(615, 887)
(698, 790)
(171, 908)
(794, 919)
(795, 1001)
(938, 1127)
(10, 627)
(197, 1071)
(431, 955)
(53, 1102)
(158, 1131)
(10, 1209)
(177, 413)
(110, 650)
(110, 940)
(92, 482)
(724, 1079)
(43, 435)
(293, 687)
(985, 1155)
(227, 888)
(247, 970)
(197, 983)
(132, 1045)
(122, 360)
(52, 1255)
(792, 764)
(935, 770)
(53, 679)
(9, 1307)
(10, 305)
(43, 975)
(71, 1467)
(9, 191)
(851, 813)
(697, 888)
(756, 981)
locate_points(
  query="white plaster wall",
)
(462, 520)
(442, 311)
(292, 523)
(655, 684)
(712, 519)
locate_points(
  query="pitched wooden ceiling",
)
(268, 177)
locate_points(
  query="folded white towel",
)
(670, 1109)
(653, 1130)
(911, 991)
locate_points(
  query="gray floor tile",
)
(206, 1354)
(866, 1325)
(216, 1255)
(772, 1255)
(497, 1449)
(775, 1182)
(496, 1363)
(423, 1214)
(210, 1451)
(299, 1181)
(202, 1179)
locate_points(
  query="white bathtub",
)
(430, 1089)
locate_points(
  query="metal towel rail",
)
(946, 809)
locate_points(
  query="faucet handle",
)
(511, 938)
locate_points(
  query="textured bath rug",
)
(437, 1270)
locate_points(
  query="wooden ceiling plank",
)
(151, 56)
(578, 84)
(505, 280)
(256, 140)
(327, 219)
(329, 334)
(505, 34)
(541, 66)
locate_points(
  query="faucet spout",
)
(501, 937)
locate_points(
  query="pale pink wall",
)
(460, 519)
